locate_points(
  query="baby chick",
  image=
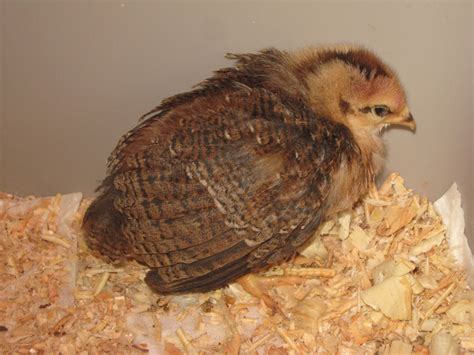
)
(236, 174)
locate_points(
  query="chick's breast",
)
(216, 186)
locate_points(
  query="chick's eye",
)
(380, 110)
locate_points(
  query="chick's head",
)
(354, 87)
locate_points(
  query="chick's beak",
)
(402, 120)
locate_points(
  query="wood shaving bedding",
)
(378, 279)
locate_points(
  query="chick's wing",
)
(220, 186)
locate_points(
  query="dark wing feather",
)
(217, 187)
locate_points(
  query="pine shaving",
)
(439, 300)
(287, 339)
(101, 283)
(55, 239)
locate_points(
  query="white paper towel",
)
(449, 208)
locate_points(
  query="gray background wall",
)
(75, 75)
